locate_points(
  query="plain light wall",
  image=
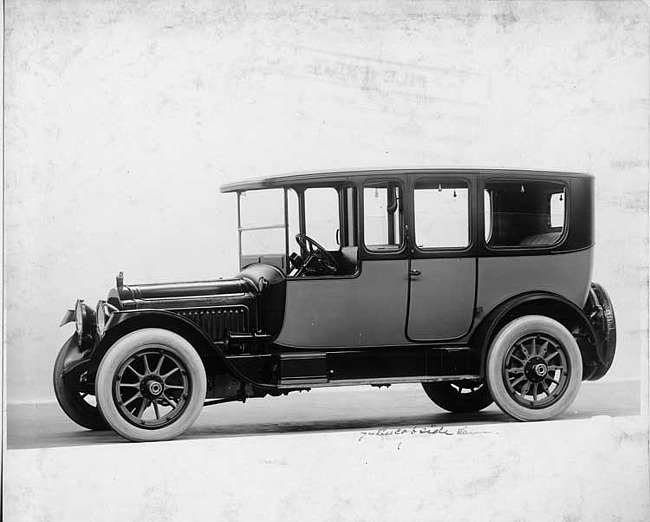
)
(122, 120)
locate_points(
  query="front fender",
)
(75, 363)
(123, 323)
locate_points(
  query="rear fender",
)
(539, 303)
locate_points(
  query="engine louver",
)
(216, 321)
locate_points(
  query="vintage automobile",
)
(475, 283)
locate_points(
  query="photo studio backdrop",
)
(123, 119)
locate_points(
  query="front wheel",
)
(534, 368)
(151, 385)
(459, 397)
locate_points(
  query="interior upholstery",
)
(546, 239)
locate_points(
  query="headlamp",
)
(79, 316)
(103, 313)
(84, 319)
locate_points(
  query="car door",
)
(442, 263)
(366, 308)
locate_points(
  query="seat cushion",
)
(537, 240)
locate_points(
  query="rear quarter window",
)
(524, 214)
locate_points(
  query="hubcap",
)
(151, 388)
(536, 371)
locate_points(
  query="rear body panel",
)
(501, 278)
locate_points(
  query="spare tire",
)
(604, 322)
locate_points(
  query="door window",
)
(383, 217)
(322, 216)
(330, 221)
(441, 214)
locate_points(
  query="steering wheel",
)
(316, 253)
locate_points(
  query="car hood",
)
(186, 289)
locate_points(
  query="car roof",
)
(322, 177)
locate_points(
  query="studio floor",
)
(349, 454)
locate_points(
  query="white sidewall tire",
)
(510, 334)
(125, 348)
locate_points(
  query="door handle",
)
(415, 272)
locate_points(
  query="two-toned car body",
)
(476, 283)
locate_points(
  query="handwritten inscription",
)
(423, 430)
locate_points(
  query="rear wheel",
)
(459, 397)
(79, 406)
(151, 385)
(534, 368)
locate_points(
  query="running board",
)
(348, 368)
(384, 381)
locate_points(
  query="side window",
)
(441, 214)
(293, 215)
(487, 215)
(382, 216)
(524, 213)
(350, 213)
(261, 214)
(322, 216)
(330, 221)
(557, 210)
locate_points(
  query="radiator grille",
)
(216, 321)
